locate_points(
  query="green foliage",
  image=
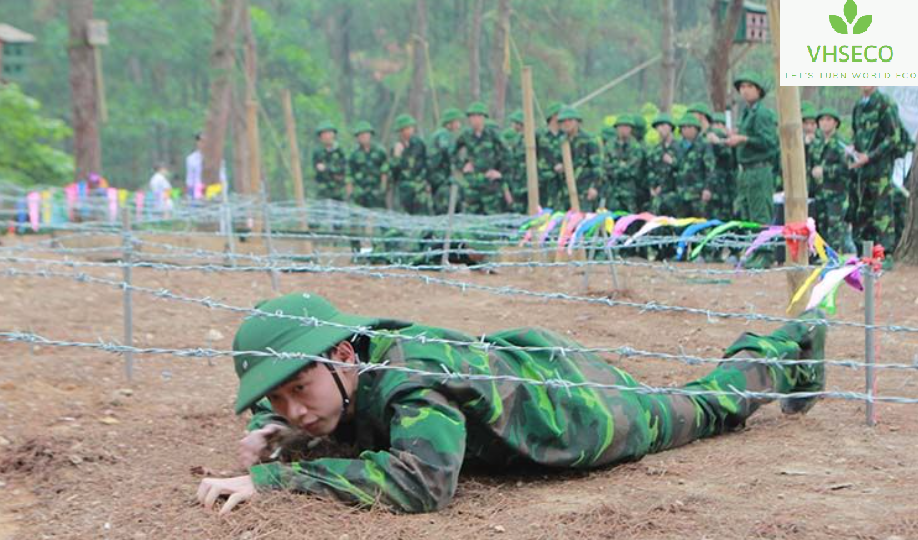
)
(27, 154)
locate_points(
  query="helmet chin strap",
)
(345, 400)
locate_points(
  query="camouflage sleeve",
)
(384, 167)
(710, 168)
(833, 161)
(592, 173)
(338, 166)
(887, 134)
(457, 156)
(419, 473)
(263, 414)
(501, 154)
(763, 137)
(652, 168)
(316, 159)
(545, 168)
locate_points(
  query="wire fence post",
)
(870, 335)
(269, 243)
(451, 211)
(127, 259)
(228, 228)
(611, 256)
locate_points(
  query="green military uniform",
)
(692, 173)
(366, 167)
(415, 432)
(875, 134)
(756, 157)
(662, 174)
(442, 145)
(586, 158)
(331, 182)
(623, 169)
(548, 149)
(485, 151)
(831, 191)
(516, 164)
(722, 169)
(409, 172)
(810, 148)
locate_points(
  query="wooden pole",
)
(100, 86)
(532, 173)
(790, 128)
(568, 159)
(295, 165)
(251, 120)
(618, 80)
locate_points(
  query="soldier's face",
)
(689, 132)
(365, 138)
(311, 400)
(517, 127)
(624, 131)
(665, 130)
(749, 91)
(867, 90)
(809, 126)
(327, 137)
(701, 118)
(827, 124)
(476, 121)
(455, 125)
(407, 132)
(569, 125)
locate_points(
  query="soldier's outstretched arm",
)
(418, 473)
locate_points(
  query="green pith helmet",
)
(624, 120)
(640, 126)
(324, 126)
(808, 111)
(689, 120)
(477, 108)
(701, 108)
(553, 109)
(491, 124)
(663, 118)
(608, 132)
(569, 113)
(404, 120)
(830, 111)
(450, 115)
(258, 375)
(719, 118)
(517, 116)
(363, 127)
(753, 78)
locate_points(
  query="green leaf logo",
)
(840, 26)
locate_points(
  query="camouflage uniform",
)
(416, 432)
(875, 134)
(548, 150)
(442, 144)
(623, 165)
(409, 172)
(485, 151)
(365, 169)
(331, 182)
(516, 164)
(662, 174)
(722, 180)
(692, 174)
(831, 191)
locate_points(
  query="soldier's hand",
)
(706, 196)
(493, 174)
(736, 140)
(559, 167)
(592, 194)
(508, 197)
(348, 189)
(817, 173)
(254, 444)
(668, 159)
(238, 489)
(398, 149)
(468, 168)
(320, 167)
(384, 181)
(862, 159)
(714, 139)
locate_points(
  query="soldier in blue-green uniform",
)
(481, 156)
(586, 157)
(408, 160)
(757, 148)
(831, 179)
(552, 186)
(661, 163)
(329, 165)
(516, 162)
(446, 400)
(721, 173)
(696, 161)
(876, 136)
(368, 168)
(623, 166)
(440, 160)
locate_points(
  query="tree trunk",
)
(907, 250)
(221, 66)
(418, 93)
(475, 51)
(240, 143)
(87, 147)
(719, 54)
(337, 29)
(500, 60)
(668, 81)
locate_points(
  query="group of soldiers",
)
(709, 170)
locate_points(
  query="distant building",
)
(14, 52)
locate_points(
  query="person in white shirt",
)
(161, 189)
(194, 169)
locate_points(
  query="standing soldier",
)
(480, 155)
(811, 140)
(876, 136)
(409, 168)
(516, 162)
(368, 168)
(723, 178)
(330, 165)
(661, 164)
(550, 165)
(831, 178)
(441, 159)
(757, 148)
(622, 164)
(692, 194)
(586, 158)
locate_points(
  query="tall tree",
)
(475, 51)
(87, 148)
(500, 59)
(338, 28)
(418, 93)
(907, 250)
(718, 59)
(668, 82)
(221, 66)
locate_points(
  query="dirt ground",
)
(84, 454)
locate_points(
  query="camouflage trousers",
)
(484, 196)
(873, 213)
(830, 206)
(415, 197)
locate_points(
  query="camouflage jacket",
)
(485, 151)
(330, 182)
(760, 124)
(441, 150)
(365, 170)
(587, 160)
(411, 167)
(623, 163)
(548, 148)
(834, 162)
(875, 132)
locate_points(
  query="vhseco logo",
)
(854, 53)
